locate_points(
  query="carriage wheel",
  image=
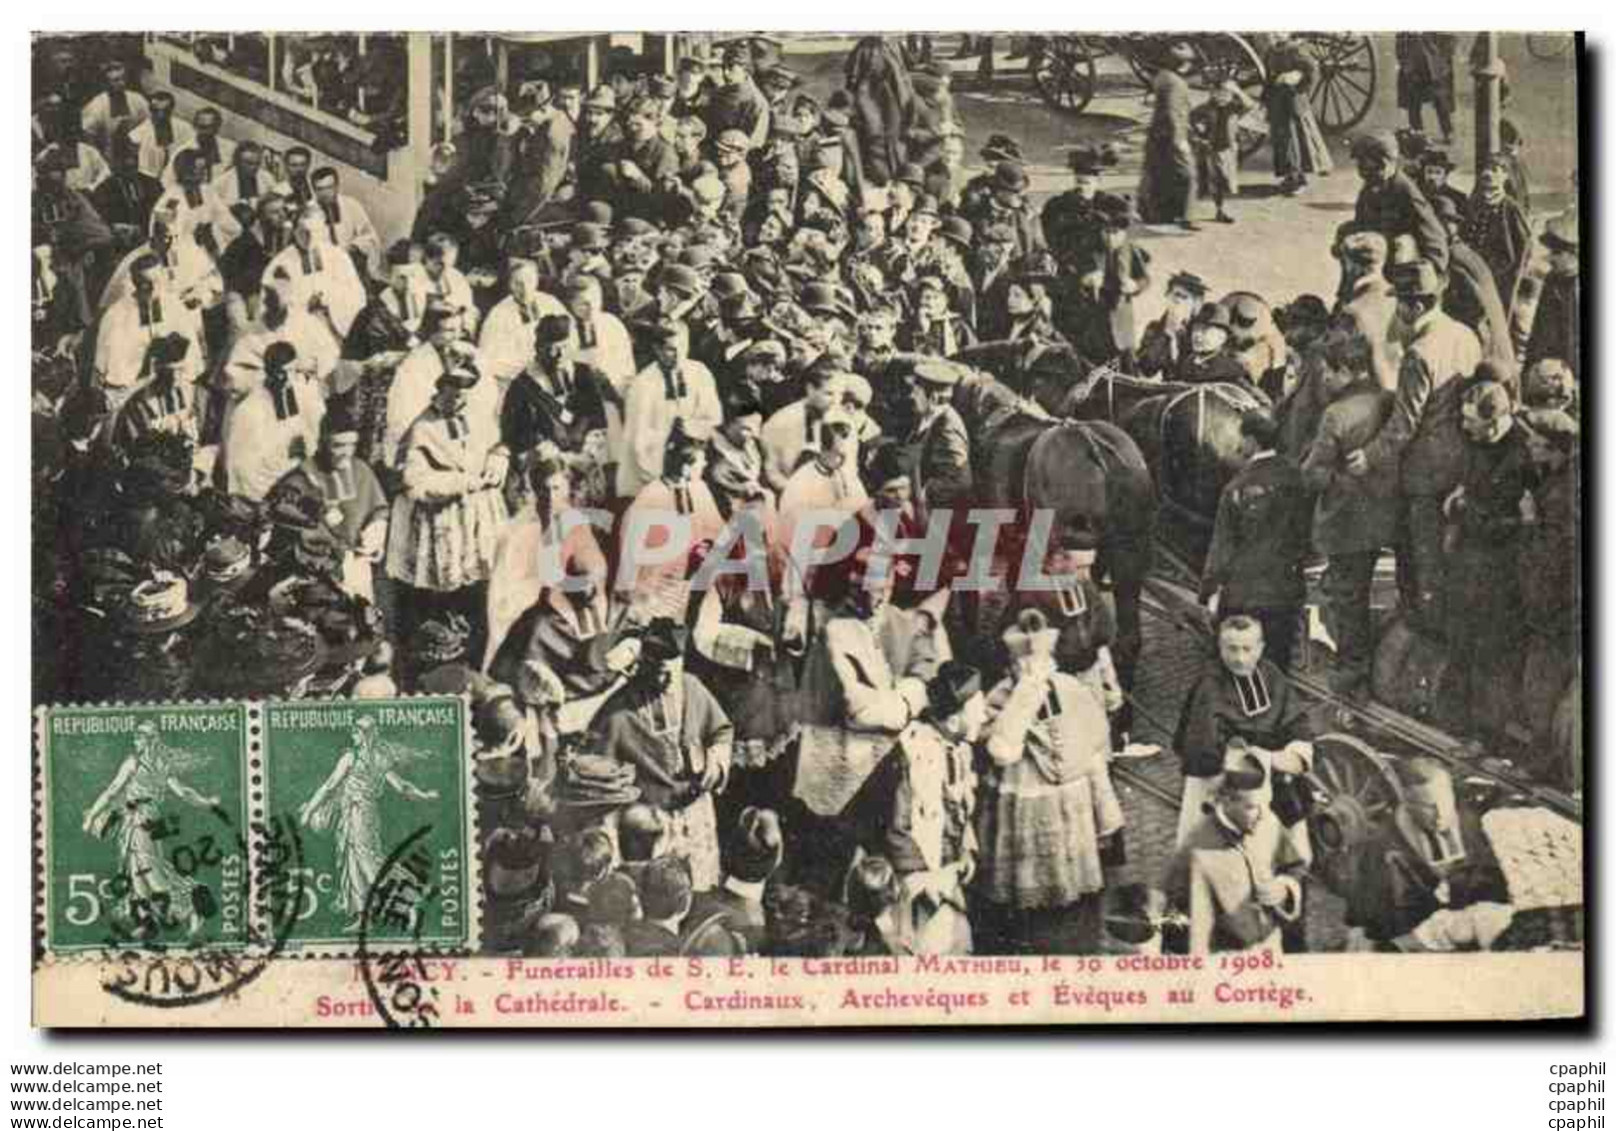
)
(1545, 47)
(1063, 71)
(1228, 55)
(1345, 89)
(1363, 793)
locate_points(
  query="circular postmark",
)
(396, 980)
(143, 968)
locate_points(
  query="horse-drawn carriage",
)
(1064, 68)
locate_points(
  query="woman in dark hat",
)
(1299, 147)
(1167, 184)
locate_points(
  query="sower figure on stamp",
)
(348, 803)
(131, 807)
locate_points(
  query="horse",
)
(1089, 474)
(1189, 434)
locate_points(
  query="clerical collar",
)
(1252, 691)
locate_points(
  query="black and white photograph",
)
(886, 528)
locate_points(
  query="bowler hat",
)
(909, 173)
(1010, 176)
(1437, 158)
(682, 280)
(958, 230)
(821, 298)
(730, 284)
(926, 205)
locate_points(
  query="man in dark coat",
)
(1497, 229)
(1421, 436)
(1264, 519)
(1241, 697)
(69, 223)
(640, 166)
(1434, 169)
(1425, 74)
(1557, 324)
(1483, 541)
(541, 158)
(1072, 222)
(125, 200)
(1393, 204)
(1472, 295)
(737, 103)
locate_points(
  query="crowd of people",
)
(280, 454)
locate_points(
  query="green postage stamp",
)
(146, 826)
(379, 794)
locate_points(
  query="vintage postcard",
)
(803, 529)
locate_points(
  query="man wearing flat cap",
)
(596, 142)
(736, 102)
(1421, 437)
(1392, 204)
(942, 471)
(1365, 294)
(541, 155)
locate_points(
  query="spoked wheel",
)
(1063, 71)
(1363, 793)
(1547, 46)
(1345, 90)
(1223, 56)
